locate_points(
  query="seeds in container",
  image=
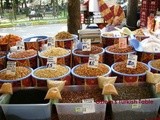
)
(54, 51)
(84, 70)
(51, 73)
(122, 68)
(156, 64)
(20, 73)
(23, 54)
(63, 35)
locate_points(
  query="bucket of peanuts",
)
(59, 72)
(110, 38)
(65, 40)
(21, 78)
(85, 75)
(80, 56)
(8, 41)
(129, 75)
(154, 65)
(139, 34)
(35, 42)
(63, 55)
(114, 53)
(27, 58)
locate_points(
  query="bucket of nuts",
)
(130, 75)
(63, 55)
(59, 72)
(114, 53)
(35, 42)
(3, 59)
(65, 39)
(85, 75)
(26, 58)
(139, 34)
(80, 56)
(110, 38)
(154, 65)
(22, 77)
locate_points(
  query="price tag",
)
(11, 68)
(93, 60)
(88, 106)
(20, 46)
(51, 62)
(132, 61)
(51, 42)
(122, 43)
(86, 44)
(136, 106)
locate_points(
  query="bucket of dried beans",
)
(22, 77)
(27, 58)
(130, 75)
(80, 56)
(82, 74)
(60, 72)
(115, 54)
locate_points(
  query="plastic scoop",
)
(136, 44)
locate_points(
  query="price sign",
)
(88, 106)
(93, 60)
(86, 44)
(51, 62)
(122, 43)
(132, 61)
(20, 46)
(11, 68)
(51, 42)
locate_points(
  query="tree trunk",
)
(14, 9)
(73, 22)
(1, 10)
(132, 13)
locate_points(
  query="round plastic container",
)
(108, 40)
(83, 80)
(35, 42)
(3, 59)
(21, 82)
(80, 58)
(39, 82)
(66, 43)
(112, 57)
(61, 60)
(27, 62)
(129, 78)
(153, 69)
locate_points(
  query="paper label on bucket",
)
(132, 61)
(136, 106)
(88, 105)
(51, 62)
(93, 60)
(122, 43)
(51, 42)
(11, 68)
(20, 46)
(86, 44)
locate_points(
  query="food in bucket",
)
(10, 39)
(54, 51)
(156, 64)
(85, 71)
(63, 35)
(51, 73)
(122, 68)
(94, 50)
(116, 49)
(2, 53)
(138, 32)
(23, 54)
(20, 73)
